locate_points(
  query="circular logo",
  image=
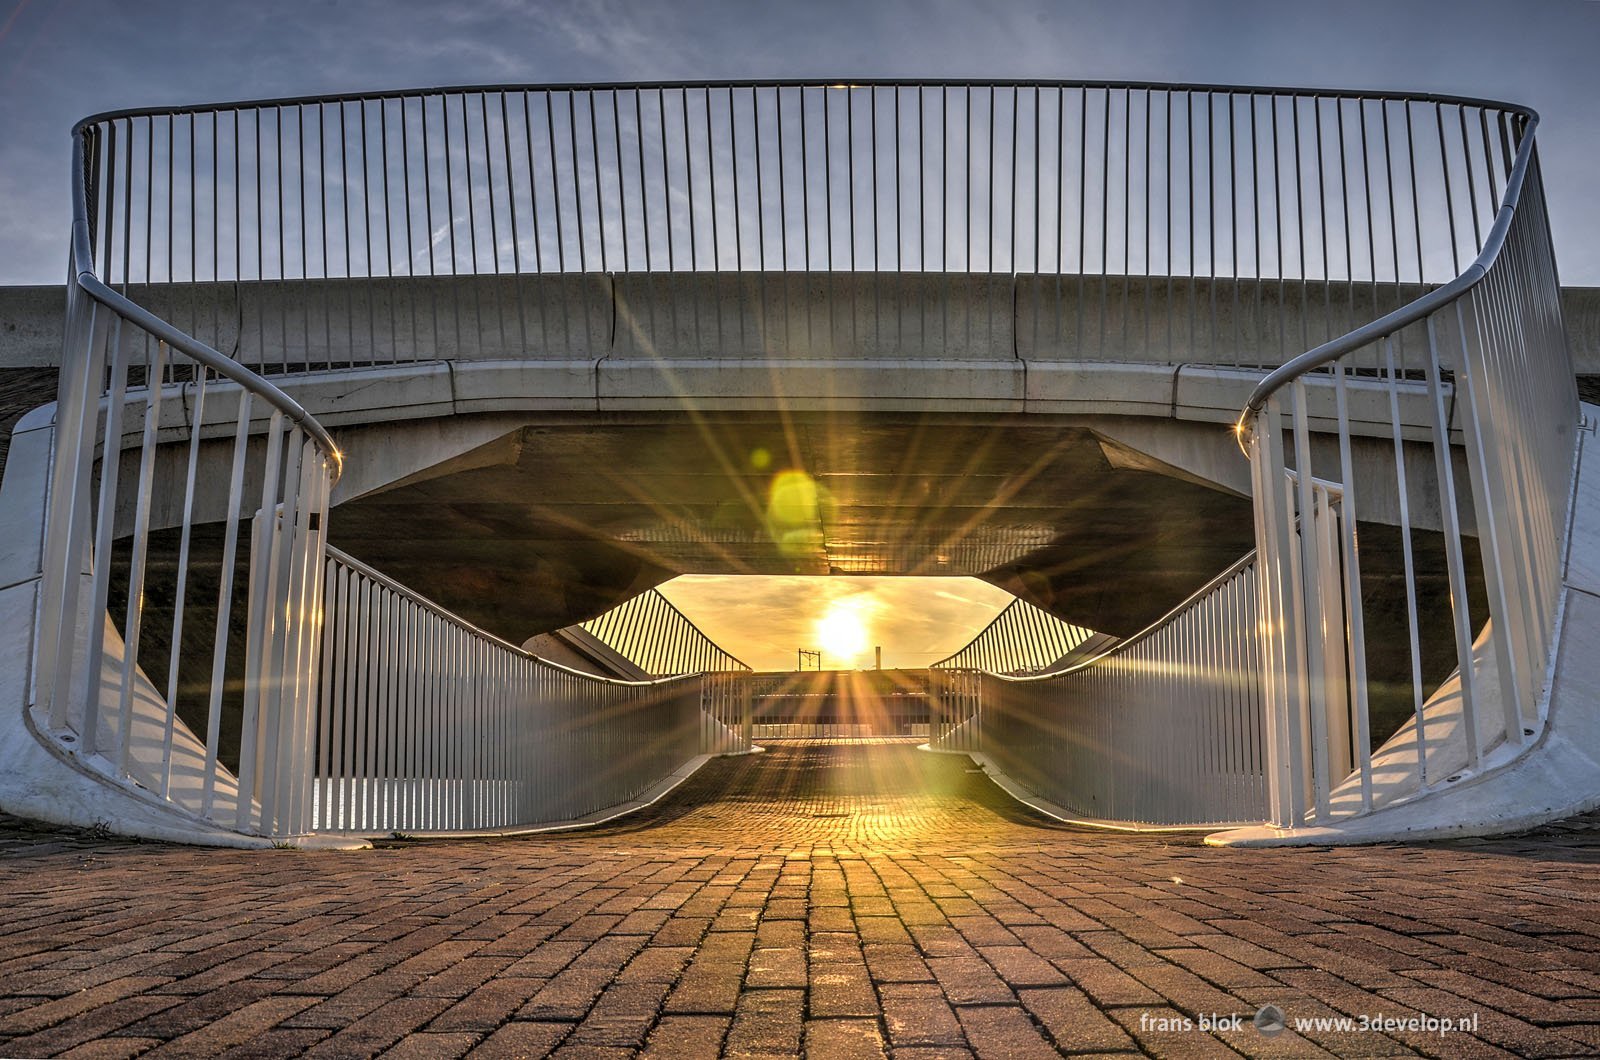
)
(1269, 1020)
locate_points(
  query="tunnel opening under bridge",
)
(533, 526)
(844, 694)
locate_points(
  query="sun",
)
(842, 630)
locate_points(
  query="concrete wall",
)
(779, 316)
(31, 320)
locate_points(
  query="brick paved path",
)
(841, 901)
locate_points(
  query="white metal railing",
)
(1384, 190)
(1242, 203)
(726, 712)
(654, 635)
(1488, 353)
(1021, 639)
(221, 691)
(955, 710)
(131, 681)
(427, 723)
(1165, 728)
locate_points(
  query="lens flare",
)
(795, 509)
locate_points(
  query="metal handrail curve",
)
(1413, 311)
(1128, 643)
(837, 83)
(347, 560)
(1059, 640)
(1493, 341)
(1108, 187)
(1164, 728)
(650, 632)
(83, 275)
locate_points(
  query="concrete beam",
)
(709, 316)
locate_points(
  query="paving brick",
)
(279, 1043)
(1073, 1021)
(111, 1049)
(432, 1046)
(684, 1036)
(934, 918)
(488, 1006)
(767, 1023)
(88, 1026)
(1002, 1032)
(49, 1013)
(969, 981)
(923, 1019)
(712, 982)
(521, 1041)
(841, 988)
(461, 978)
(1020, 966)
(843, 1040)
(243, 1025)
(381, 1028)
(622, 1016)
(568, 996)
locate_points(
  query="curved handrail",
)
(1160, 729)
(448, 186)
(84, 276)
(664, 653)
(1421, 307)
(996, 626)
(1129, 643)
(835, 83)
(1494, 340)
(428, 722)
(981, 248)
(347, 560)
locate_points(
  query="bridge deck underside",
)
(560, 520)
(554, 523)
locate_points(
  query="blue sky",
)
(63, 59)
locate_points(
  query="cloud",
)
(59, 62)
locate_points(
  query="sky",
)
(764, 620)
(63, 59)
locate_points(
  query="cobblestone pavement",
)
(832, 901)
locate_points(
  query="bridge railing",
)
(650, 632)
(191, 689)
(1251, 206)
(425, 723)
(1488, 354)
(1277, 218)
(180, 639)
(1164, 728)
(1021, 639)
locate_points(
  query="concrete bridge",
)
(372, 414)
(1096, 480)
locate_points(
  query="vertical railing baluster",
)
(1354, 630)
(136, 572)
(105, 532)
(1454, 562)
(219, 648)
(263, 554)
